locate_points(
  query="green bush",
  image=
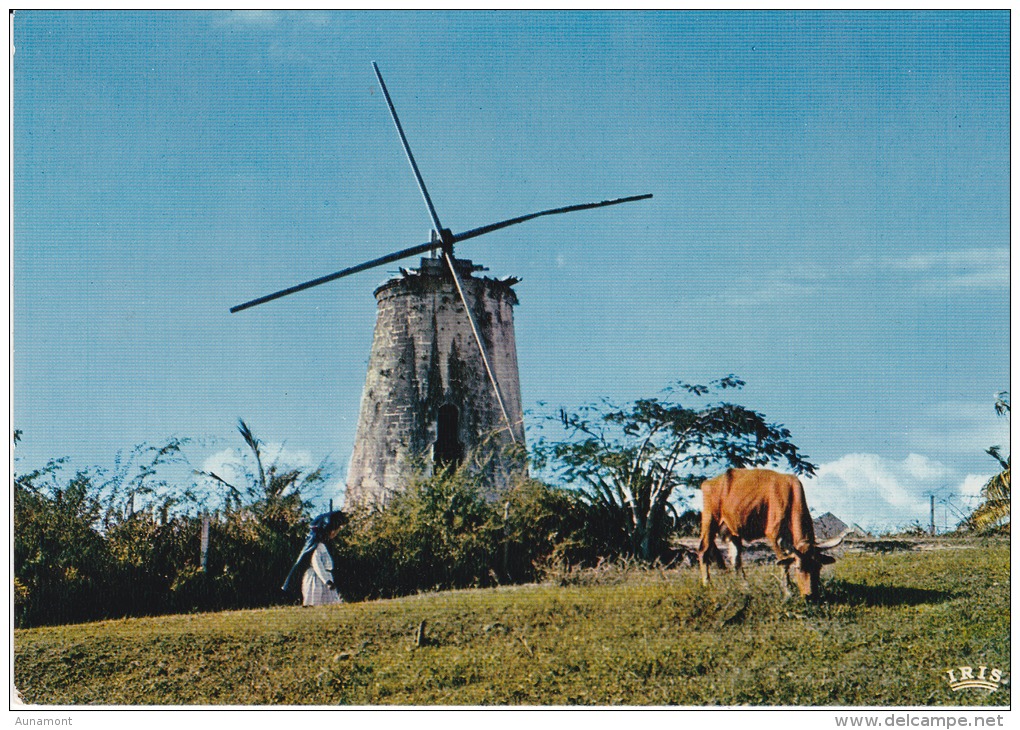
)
(63, 565)
(438, 533)
(97, 545)
(83, 552)
(542, 521)
(148, 554)
(441, 532)
(251, 549)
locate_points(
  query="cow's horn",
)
(829, 544)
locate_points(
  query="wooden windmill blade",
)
(443, 233)
(482, 230)
(389, 258)
(426, 247)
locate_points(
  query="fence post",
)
(205, 542)
(506, 541)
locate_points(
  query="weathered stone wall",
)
(424, 356)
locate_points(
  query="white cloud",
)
(970, 268)
(958, 427)
(255, 18)
(777, 285)
(284, 457)
(883, 494)
(223, 464)
(923, 468)
(926, 273)
(972, 485)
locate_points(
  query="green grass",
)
(889, 628)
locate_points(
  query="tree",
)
(628, 462)
(994, 510)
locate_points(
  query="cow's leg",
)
(734, 548)
(707, 549)
(774, 531)
(785, 582)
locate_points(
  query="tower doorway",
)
(449, 451)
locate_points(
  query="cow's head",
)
(805, 566)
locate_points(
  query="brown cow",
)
(748, 504)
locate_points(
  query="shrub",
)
(541, 521)
(438, 533)
(251, 549)
(148, 555)
(63, 565)
(443, 532)
(83, 552)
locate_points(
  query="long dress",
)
(314, 590)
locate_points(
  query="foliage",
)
(124, 542)
(993, 513)
(442, 531)
(101, 543)
(885, 633)
(688, 524)
(62, 563)
(127, 542)
(629, 461)
(254, 541)
(255, 482)
(438, 533)
(139, 482)
(542, 524)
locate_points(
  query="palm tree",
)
(994, 511)
(269, 485)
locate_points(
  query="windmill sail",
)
(446, 239)
(407, 151)
(424, 248)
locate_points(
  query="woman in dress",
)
(314, 566)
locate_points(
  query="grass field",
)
(889, 628)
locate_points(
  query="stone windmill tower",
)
(430, 396)
(442, 380)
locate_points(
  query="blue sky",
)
(830, 222)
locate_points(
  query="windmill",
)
(442, 376)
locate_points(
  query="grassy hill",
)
(890, 627)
